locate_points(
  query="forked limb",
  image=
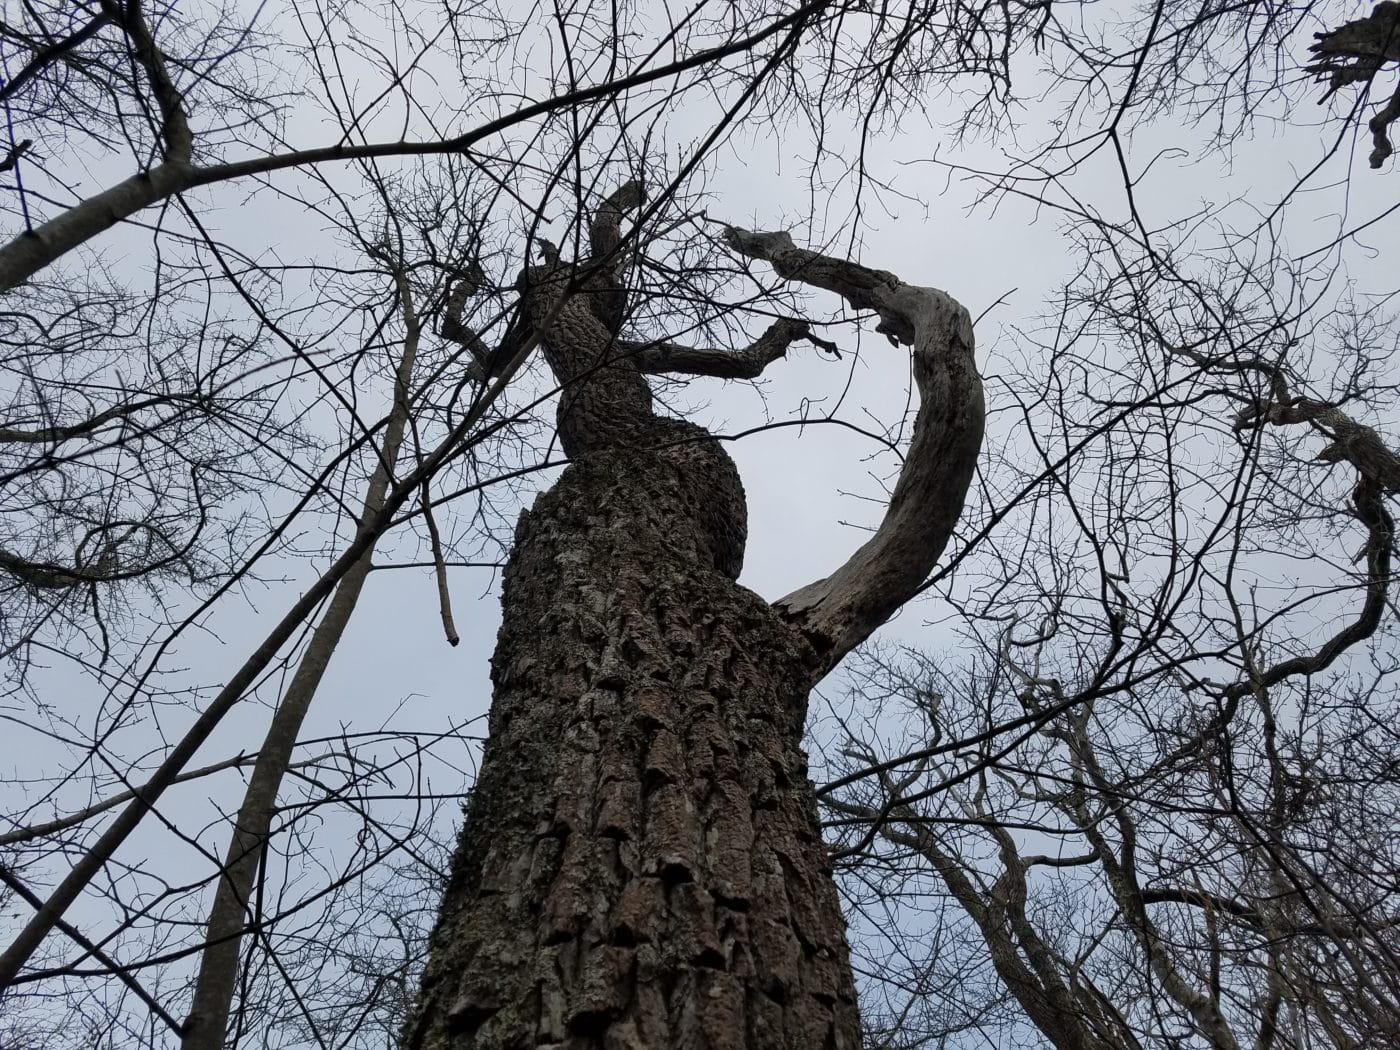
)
(602, 283)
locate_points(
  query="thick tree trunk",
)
(641, 865)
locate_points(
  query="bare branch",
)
(36, 248)
(1380, 129)
(1355, 53)
(842, 610)
(1350, 441)
(1022, 958)
(1356, 50)
(54, 435)
(1378, 470)
(13, 154)
(233, 904)
(49, 576)
(174, 127)
(449, 627)
(1198, 898)
(30, 832)
(606, 272)
(452, 327)
(48, 55)
(75, 935)
(1370, 511)
(748, 363)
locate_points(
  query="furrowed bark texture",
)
(641, 864)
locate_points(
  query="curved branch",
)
(1371, 512)
(1379, 126)
(658, 357)
(607, 280)
(605, 231)
(1378, 473)
(840, 611)
(1351, 442)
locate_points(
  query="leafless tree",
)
(1160, 789)
(642, 861)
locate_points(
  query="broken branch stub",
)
(843, 609)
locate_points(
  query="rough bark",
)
(641, 864)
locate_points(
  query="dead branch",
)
(840, 611)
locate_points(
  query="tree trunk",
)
(231, 912)
(641, 865)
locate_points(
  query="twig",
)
(439, 568)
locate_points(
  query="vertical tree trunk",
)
(216, 984)
(641, 865)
